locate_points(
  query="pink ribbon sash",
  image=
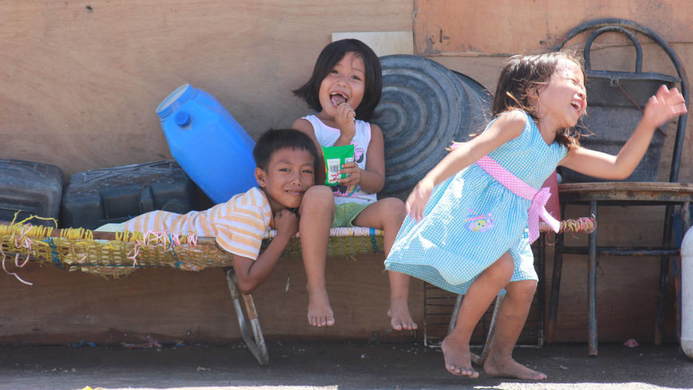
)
(524, 190)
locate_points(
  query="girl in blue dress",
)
(473, 217)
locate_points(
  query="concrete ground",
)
(329, 365)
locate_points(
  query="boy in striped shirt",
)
(285, 161)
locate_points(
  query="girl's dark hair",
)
(275, 139)
(520, 77)
(328, 58)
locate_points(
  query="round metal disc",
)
(424, 107)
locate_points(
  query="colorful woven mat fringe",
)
(120, 253)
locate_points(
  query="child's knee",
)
(317, 200)
(524, 288)
(503, 268)
(395, 211)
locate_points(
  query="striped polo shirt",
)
(238, 225)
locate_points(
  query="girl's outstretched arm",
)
(507, 127)
(662, 107)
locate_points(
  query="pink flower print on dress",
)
(479, 222)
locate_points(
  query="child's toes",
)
(454, 370)
(409, 325)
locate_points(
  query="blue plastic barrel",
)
(208, 143)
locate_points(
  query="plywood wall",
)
(80, 81)
(477, 37)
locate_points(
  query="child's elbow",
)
(246, 287)
(378, 184)
(621, 176)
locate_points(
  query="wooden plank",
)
(626, 186)
(80, 86)
(450, 27)
(170, 305)
(383, 43)
(628, 193)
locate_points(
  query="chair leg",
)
(555, 286)
(455, 312)
(592, 287)
(490, 337)
(255, 341)
(663, 276)
(541, 289)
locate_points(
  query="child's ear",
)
(261, 177)
(534, 93)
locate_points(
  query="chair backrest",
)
(614, 99)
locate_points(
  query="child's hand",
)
(345, 121)
(353, 173)
(417, 200)
(286, 222)
(664, 106)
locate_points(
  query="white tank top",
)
(327, 136)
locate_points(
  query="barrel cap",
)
(182, 118)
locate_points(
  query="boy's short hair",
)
(276, 139)
(328, 58)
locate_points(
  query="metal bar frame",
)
(250, 328)
(593, 250)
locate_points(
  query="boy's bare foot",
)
(509, 368)
(400, 318)
(319, 309)
(458, 358)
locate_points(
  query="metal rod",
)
(615, 251)
(555, 286)
(663, 277)
(593, 338)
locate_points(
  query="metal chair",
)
(620, 89)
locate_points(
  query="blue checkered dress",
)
(471, 219)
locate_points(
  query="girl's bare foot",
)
(509, 368)
(458, 358)
(319, 310)
(400, 318)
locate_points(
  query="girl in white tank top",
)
(344, 90)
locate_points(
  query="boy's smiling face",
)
(290, 172)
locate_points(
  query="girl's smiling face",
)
(563, 100)
(345, 83)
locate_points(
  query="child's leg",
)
(477, 300)
(317, 212)
(511, 318)
(388, 214)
